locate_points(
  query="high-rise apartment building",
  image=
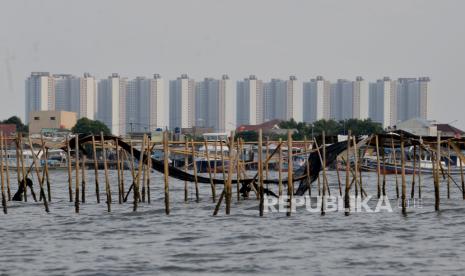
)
(282, 99)
(182, 102)
(383, 101)
(216, 104)
(112, 103)
(250, 109)
(145, 104)
(76, 94)
(316, 100)
(412, 98)
(40, 93)
(349, 99)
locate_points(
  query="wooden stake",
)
(76, 200)
(230, 172)
(280, 166)
(139, 171)
(383, 154)
(186, 167)
(338, 176)
(325, 183)
(83, 182)
(419, 168)
(412, 193)
(166, 172)
(260, 172)
(238, 172)
(23, 169)
(118, 168)
(395, 166)
(378, 167)
(404, 186)
(5, 147)
(290, 171)
(45, 152)
(94, 153)
(42, 192)
(70, 180)
(356, 171)
(18, 168)
(448, 171)
(2, 159)
(144, 175)
(307, 168)
(436, 182)
(105, 167)
(149, 168)
(347, 188)
(197, 197)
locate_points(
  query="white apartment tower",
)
(76, 94)
(112, 103)
(383, 102)
(216, 104)
(360, 99)
(282, 99)
(40, 93)
(250, 109)
(182, 102)
(316, 100)
(349, 99)
(145, 104)
(412, 98)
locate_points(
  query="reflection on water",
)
(191, 240)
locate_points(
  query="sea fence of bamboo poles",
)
(231, 163)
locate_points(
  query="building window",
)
(52, 118)
(36, 118)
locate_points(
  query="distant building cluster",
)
(144, 104)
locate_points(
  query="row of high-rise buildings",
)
(142, 104)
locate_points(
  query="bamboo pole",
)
(325, 182)
(307, 168)
(338, 176)
(238, 173)
(448, 171)
(267, 154)
(166, 172)
(260, 171)
(118, 168)
(356, 171)
(4, 204)
(105, 167)
(419, 168)
(383, 154)
(139, 171)
(149, 168)
(462, 178)
(76, 200)
(45, 152)
(194, 164)
(378, 167)
(404, 186)
(70, 180)
(83, 182)
(395, 167)
(94, 153)
(144, 174)
(222, 160)
(412, 194)
(280, 165)
(290, 168)
(7, 170)
(42, 193)
(186, 166)
(436, 182)
(213, 187)
(23, 169)
(230, 173)
(347, 188)
(214, 164)
(18, 168)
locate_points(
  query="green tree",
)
(87, 126)
(248, 135)
(20, 127)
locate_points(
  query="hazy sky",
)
(336, 39)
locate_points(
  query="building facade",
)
(383, 102)
(250, 109)
(182, 103)
(112, 103)
(316, 100)
(40, 93)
